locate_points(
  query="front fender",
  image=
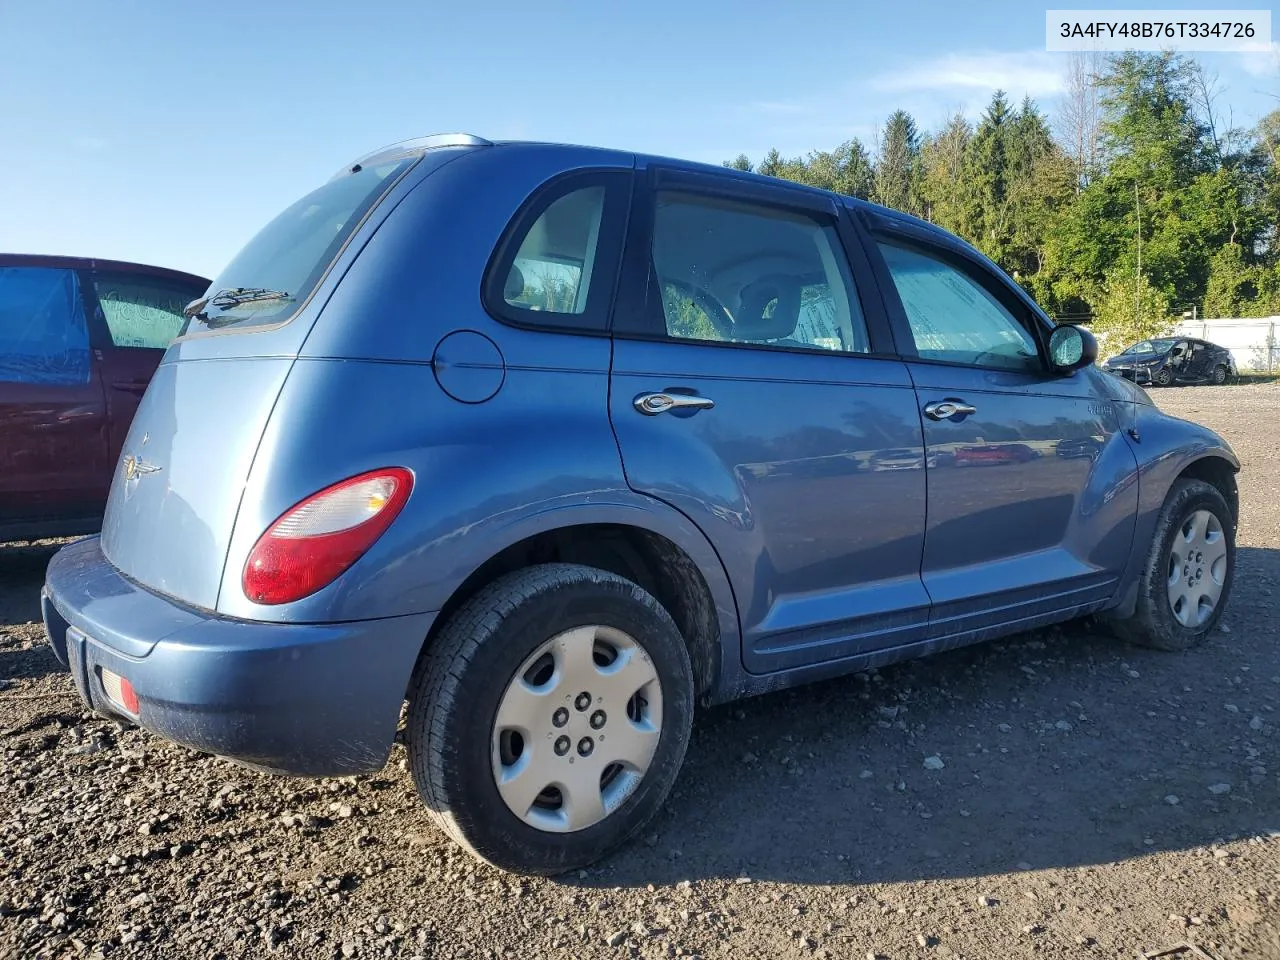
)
(1166, 445)
(1167, 448)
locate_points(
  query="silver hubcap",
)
(576, 729)
(1197, 568)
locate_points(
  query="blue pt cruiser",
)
(555, 442)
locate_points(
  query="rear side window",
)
(736, 272)
(277, 271)
(43, 335)
(953, 318)
(557, 264)
(142, 312)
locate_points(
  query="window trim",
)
(99, 332)
(640, 315)
(594, 319)
(977, 272)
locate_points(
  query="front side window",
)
(142, 312)
(953, 318)
(556, 259)
(733, 272)
(43, 335)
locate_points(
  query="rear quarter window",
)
(557, 263)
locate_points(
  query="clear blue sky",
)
(169, 131)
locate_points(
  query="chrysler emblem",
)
(136, 467)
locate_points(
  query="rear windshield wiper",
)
(232, 297)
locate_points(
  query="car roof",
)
(873, 214)
(55, 262)
(875, 210)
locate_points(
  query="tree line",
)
(1137, 203)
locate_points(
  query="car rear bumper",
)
(304, 699)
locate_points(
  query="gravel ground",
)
(1057, 794)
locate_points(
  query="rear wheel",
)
(1187, 578)
(550, 718)
(1219, 375)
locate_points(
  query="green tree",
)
(897, 166)
(1235, 286)
(1146, 196)
(1039, 183)
(771, 165)
(1129, 308)
(1158, 208)
(943, 176)
(987, 177)
(846, 169)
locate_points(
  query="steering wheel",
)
(716, 312)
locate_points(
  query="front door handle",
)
(652, 404)
(946, 409)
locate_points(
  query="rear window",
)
(277, 271)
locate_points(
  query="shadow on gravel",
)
(29, 664)
(1062, 748)
(21, 576)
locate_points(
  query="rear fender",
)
(486, 476)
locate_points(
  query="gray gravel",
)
(1057, 794)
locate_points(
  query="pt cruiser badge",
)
(136, 467)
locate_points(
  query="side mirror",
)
(1071, 347)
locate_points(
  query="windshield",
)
(1151, 346)
(274, 274)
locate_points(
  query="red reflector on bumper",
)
(119, 691)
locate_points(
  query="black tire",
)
(1153, 623)
(1164, 378)
(460, 681)
(1219, 375)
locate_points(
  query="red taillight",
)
(315, 541)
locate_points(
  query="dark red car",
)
(79, 341)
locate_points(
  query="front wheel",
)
(1187, 577)
(550, 717)
(1164, 378)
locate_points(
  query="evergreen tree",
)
(1146, 204)
(897, 167)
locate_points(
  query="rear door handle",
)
(946, 409)
(652, 404)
